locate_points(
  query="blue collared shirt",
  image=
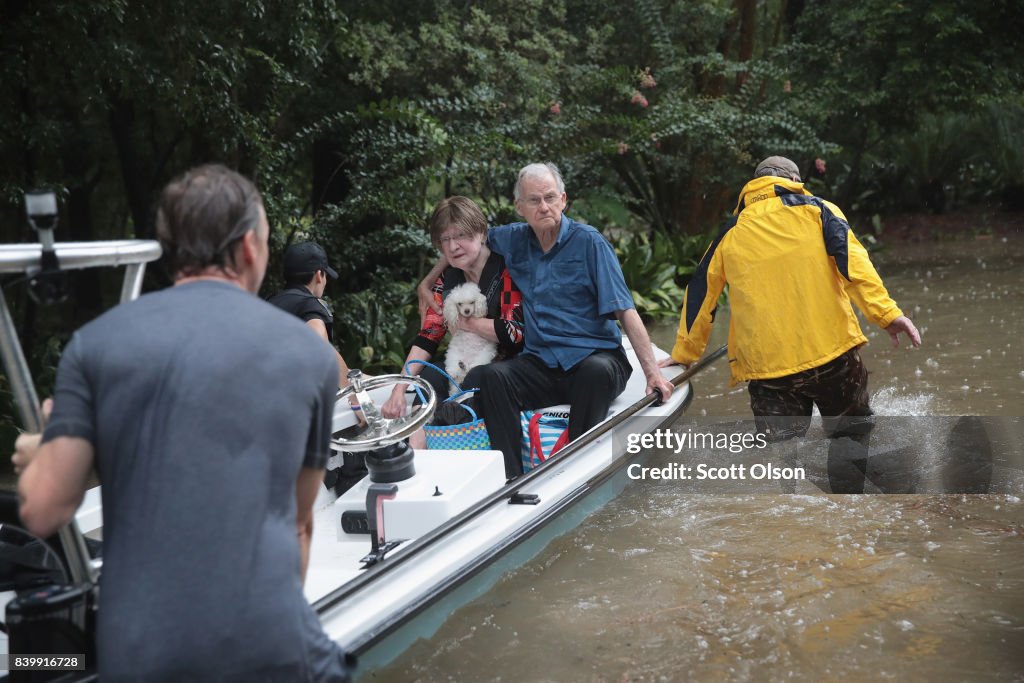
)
(570, 293)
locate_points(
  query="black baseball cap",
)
(307, 257)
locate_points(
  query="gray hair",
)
(538, 171)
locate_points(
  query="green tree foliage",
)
(661, 124)
(671, 113)
(655, 268)
(109, 100)
(880, 71)
(116, 98)
(356, 118)
(452, 99)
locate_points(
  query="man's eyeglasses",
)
(549, 199)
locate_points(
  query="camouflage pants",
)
(782, 405)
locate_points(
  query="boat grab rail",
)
(27, 259)
(508, 491)
(22, 258)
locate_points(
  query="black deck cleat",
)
(378, 555)
(523, 499)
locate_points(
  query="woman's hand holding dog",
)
(483, 327)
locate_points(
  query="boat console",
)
(406, 493)
(447, 483)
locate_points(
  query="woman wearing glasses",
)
(458, 229)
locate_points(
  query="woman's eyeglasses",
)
(460, 238)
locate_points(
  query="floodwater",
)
(673, 583)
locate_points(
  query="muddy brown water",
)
(658, 583)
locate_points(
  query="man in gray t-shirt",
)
(210, 445)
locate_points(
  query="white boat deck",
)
(461, 477)
(464, 478)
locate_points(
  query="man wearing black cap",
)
(305, 272)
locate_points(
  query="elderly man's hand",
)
(661, 385)
(903, 324)
(425, 300)
(26, 445)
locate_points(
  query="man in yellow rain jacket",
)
(793, 266)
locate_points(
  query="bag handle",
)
(431, 365)
(444, 374)
(535, 446)
(459, 390)
(535, 450)
(464, 392)
(460, 394)
(563, 439)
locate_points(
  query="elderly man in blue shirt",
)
(573, 292)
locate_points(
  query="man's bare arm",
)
(306, 488)
(318, 326)
(641, 341)
(53, 483)
(423, 290)
(903, 324)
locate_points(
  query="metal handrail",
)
(23, 258)
(26, 258)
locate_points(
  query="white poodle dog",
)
(466, 350)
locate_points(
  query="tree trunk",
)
(77, 161)
(135, 177)
(715, 85)
(330, 184)
(792, 11)
(748, 32)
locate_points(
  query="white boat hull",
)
(358, 606)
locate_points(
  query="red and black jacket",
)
(504, 307)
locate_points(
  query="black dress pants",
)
(526, 383)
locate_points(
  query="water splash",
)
(889, 401)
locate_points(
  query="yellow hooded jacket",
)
(792, 265)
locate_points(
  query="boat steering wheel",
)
(380, 431)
